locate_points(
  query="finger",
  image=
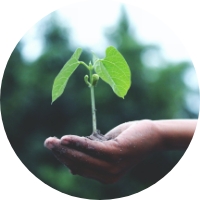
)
(82, 164)
(55, 146)
(103, 177)
(104, 150)
(51, 143)
(88, 168)
(118, 130)
(83, 160)
(66, 155)
(100, 173)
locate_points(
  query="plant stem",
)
(94, 121)
(81, 62)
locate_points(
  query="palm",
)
(105, 161)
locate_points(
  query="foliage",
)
(61, 79)
(114, 70)
(28, 118)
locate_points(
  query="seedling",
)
(113, 69)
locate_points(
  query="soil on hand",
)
(97, 136)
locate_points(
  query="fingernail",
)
(49, 144)
(64, 140)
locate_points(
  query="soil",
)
(97, 136)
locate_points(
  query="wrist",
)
(175, 134)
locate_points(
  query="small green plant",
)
(113, 69)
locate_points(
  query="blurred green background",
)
(29, 118)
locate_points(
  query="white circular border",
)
(181, 16)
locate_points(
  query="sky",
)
(148, 28)
(88, 21)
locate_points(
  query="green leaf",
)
(94, 59)
(61, 79)
(114, 70)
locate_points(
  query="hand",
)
(107, 161)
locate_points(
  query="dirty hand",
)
(109, 160)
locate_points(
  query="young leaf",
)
(114, 70)
(94, 59)
(61, 79)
